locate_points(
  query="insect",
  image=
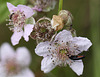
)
(76, 57)
(11, 15)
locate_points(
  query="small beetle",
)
(11, 15)
(76, 57)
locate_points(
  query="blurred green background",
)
(86, 21)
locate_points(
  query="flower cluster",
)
(56, 39)
(14, 64)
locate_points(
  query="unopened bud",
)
(66, 16)
(57, 22)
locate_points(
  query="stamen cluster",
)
(17, 19)
(44, 5)
(42, 29)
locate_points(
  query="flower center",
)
(62, 53)
(12, 67)
(42, 30)
(17, 19)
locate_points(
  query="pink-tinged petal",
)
(42, 49)
(11, 7)
(16, 37)
(6, 52)
(77, 67)
(25, 73)
(27, 31)
(37, 9)
(82, 43)
(63, 36)
(27, 10)
(48, 63)
(23, 56)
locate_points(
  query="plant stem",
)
(60, 5)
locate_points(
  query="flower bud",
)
(66, 16)
(57, 22)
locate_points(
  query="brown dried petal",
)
(57, 22)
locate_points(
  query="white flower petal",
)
(11, 7)
(3, 73)
(42, 48)
(25, 73)
(77, 67)
(23, 56)
(27, 10)
(63, 36)
(6, 52)
(27, 31)
(16, 37)
(47, 64)
(82, 43)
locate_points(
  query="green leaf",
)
(4, 12)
